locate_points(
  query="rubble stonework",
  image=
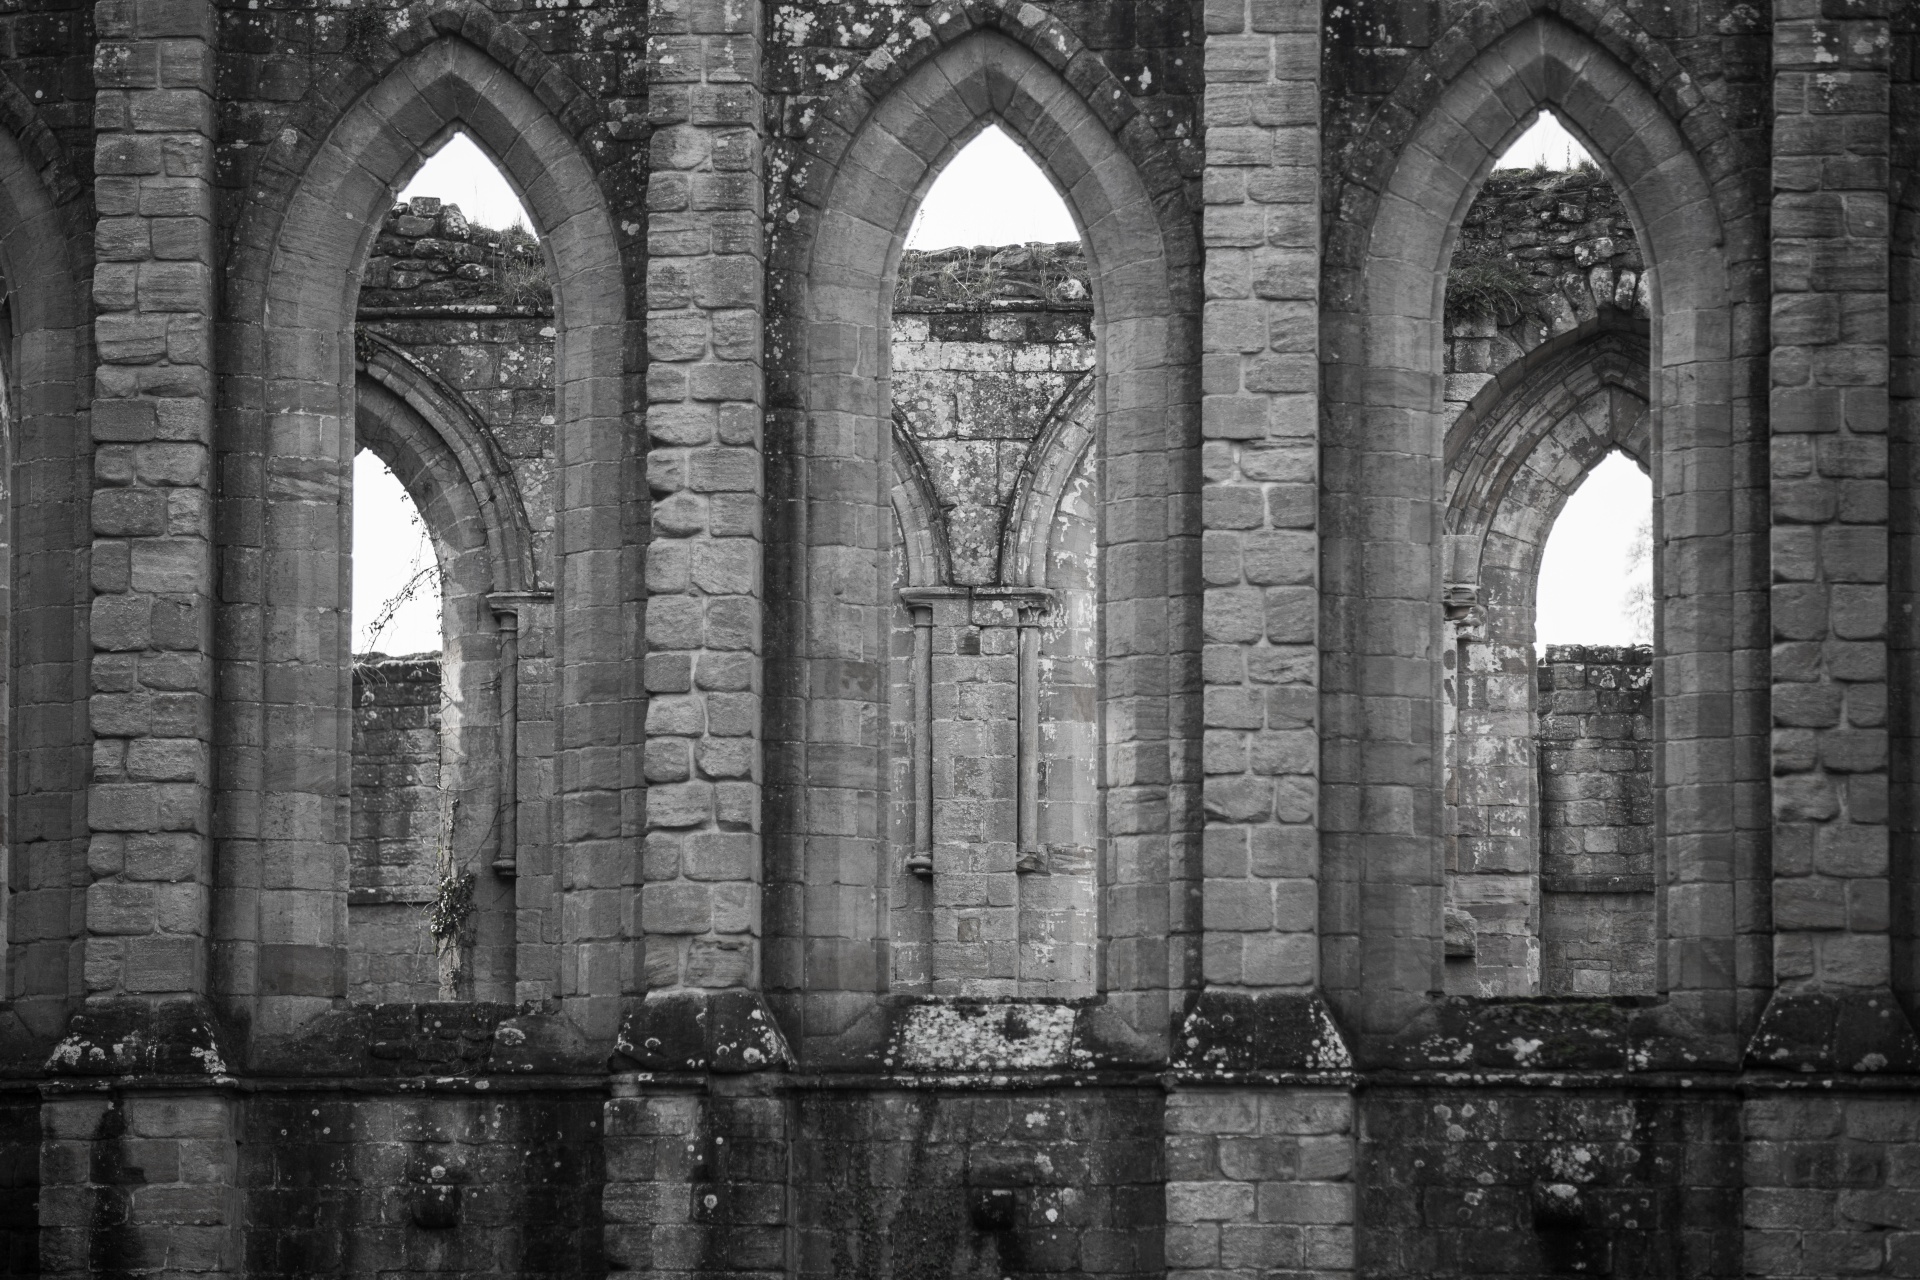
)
(1540, 255)
(998, 761)
(429, 254)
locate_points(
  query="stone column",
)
(148, 903)
(651, 1157)
(1828, 412)
(1259, 1182)
(921, 605)
(1828, 1189)
(700, 904)
(1260, 902)
(510, 610)
(696, 1182)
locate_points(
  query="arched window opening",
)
(396, 572)
(1596, 572)
(402, 801)
(460, 173)
(990, 193)
(995, 827)
(1595, 736)
(1546, 376)
(455, 310)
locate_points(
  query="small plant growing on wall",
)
(521, 270)
(450, 913)
(1483, 283)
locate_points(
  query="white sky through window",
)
(1545, 144)
(391, 553)
(460, 173)
(991, 193)
(1591, 578)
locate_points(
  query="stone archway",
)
(466, 686)
(1384, 870)
(282, 942)
(1513, 459)
(833, 601)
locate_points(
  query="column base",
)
(1258, 1031)
(722, 1031)
(1861, 1032)
(142, 1038)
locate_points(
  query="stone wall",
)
(1258, 1181)
(21, 1134)
(1832, 1184)
(988, 348)
(1548, 1182)
(1596, 821)
(427, 254)
(400, 818)
(454, 1181)
(1199, 1014)
(991, 356)
(987, 1185)
(1541, 253)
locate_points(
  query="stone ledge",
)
(1597, 884)
(1861, 1032)
(904, 1034)
(1599, 655)
(450, 1039)
(1548, 1033)
(384, 897)
(141, 1038)
(728, 1032)
(1258, 1031)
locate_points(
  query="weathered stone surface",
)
(722, 1031)
(1012, 761)
(1595, 730)
(428, 254)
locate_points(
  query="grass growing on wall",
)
(1483, 283)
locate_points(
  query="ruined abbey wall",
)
(1003, 761)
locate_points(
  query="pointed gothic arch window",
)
(1549, 827)
(836, 867)
(455, 292)
(995, 804)
(1594, 733)
(304, 278)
